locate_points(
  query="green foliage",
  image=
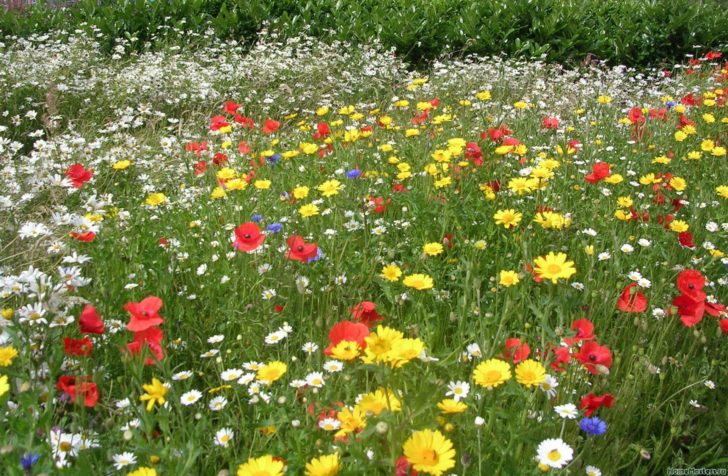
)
(634, 32)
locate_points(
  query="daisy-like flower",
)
(217, 403)
(554, 267)
(122, 460)
(458, 390)
(327, 465)
(492, 373)
(508, 278)
(190, 398)
(450, 406)
(275, 337)
(391, 272)
(548, 386)
(315, 379)
(332, 366)
(554, 453)
(310, 347)
(223, 437)
(593, 471)
(567, 411)
(433, 249)
(263, 466)
(420, 282)
(246, 379)
(184, 375)
(530, 373)
(329, 424)
(508, 218)
(271, 372)
(429, 452)
(155, 393)
(231, 374)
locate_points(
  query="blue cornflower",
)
(273, 159)
(670, 104)
(354, 173)
(274, 227)
(593, 426)
(319, 255)
(27, 460)
(257, 218)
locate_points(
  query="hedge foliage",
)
(633, 32)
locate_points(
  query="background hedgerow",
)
(170, 184)
(633, 32)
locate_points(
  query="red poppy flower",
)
(516, 350)
(322, 131)
(200, 167)
(90, 322)
(219, 159)
(243, 148)
(688, 100)
(563, 357)
(378, 204)
(691, 283)
(635, 116)
(592, 402)
(686, 239)
(248, 237)
(584, 331)
(596, 358)
(196, 147)
(299, 250)
(86, 237)
(270, 126)
(366, 313)
(78, 175)
(82, 387)
(632, 301)
(349, 331)
(403, 467)
(231, 107)
(144, 314)
(152, 339)
(691, 312)
(550, 123)
(600, 171)
(77, 347)
(473, 153)
(724, 326)
(218, 122)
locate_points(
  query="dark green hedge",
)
(633, 32)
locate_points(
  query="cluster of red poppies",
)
(248, 238)
(83, 387)
(144, 323)
(692, 303)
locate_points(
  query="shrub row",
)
(633, 32)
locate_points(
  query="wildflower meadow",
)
(307, 257)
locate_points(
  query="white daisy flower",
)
(548, 386)
(332, 366)
(554, 453)
(567, 410)
(122, 460)
(217, 404)
(458, 390)
(191, 397)
(223, 437)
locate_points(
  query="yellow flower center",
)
(429, 457)
(554, 455)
